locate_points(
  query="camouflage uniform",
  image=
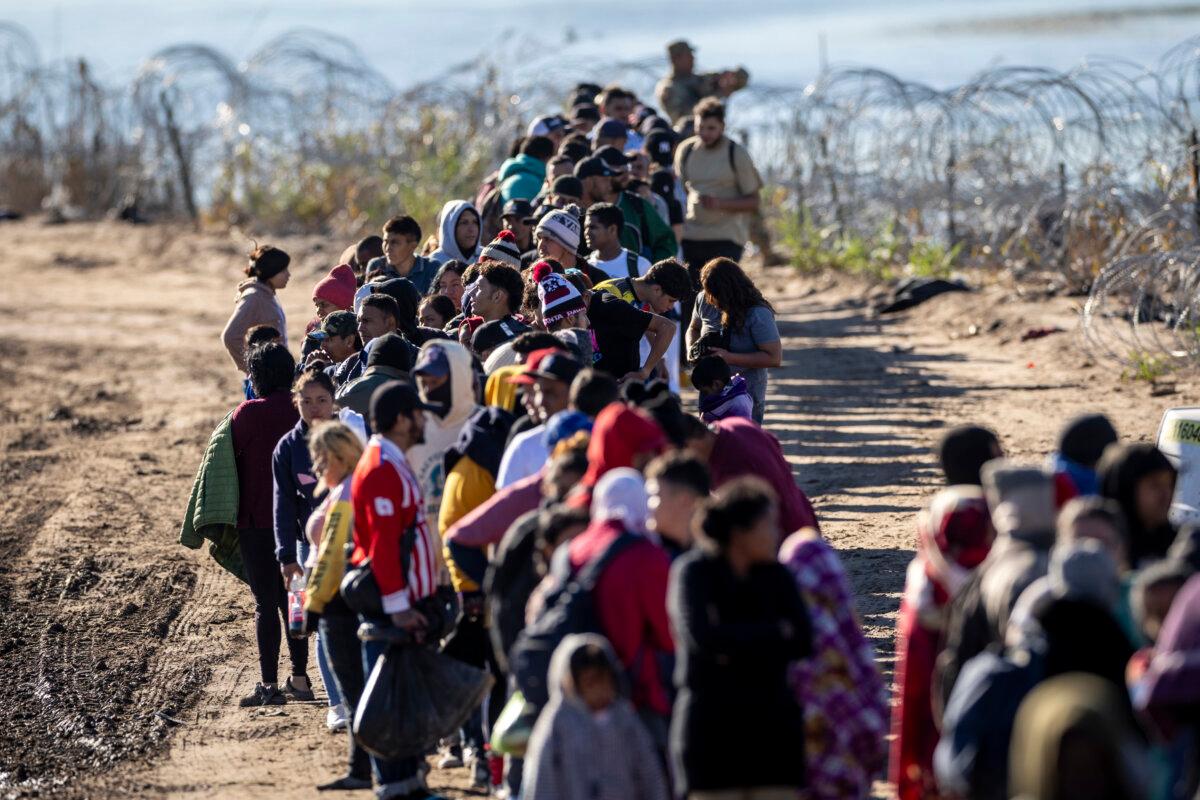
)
(678, 94)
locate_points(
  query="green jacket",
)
(645, 232)
(213, 505)
(356, 395)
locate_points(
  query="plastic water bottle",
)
(296, 607)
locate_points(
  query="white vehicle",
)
(1179, 440)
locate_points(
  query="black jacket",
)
(734, 640)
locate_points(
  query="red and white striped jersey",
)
(387, 501)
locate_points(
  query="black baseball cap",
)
(659, 146)
(518, 208)
(338, 323)
(557, 367)
(612, 129)
(568, 185)
(591, 167)
(492, 334)
(616, 160)
(391, 400)
(586, 111)
(390, 350)
(575, 150)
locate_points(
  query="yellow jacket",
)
(468, 486)
(330, 566)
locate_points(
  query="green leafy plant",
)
(1147, 367)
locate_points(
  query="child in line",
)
(588, 743)
(722, 394)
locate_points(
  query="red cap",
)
(532, 362)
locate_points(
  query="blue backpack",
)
(569, 609)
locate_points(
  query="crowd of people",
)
(501, 412)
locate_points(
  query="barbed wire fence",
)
(1082, 181)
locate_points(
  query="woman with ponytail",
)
(257, 304)
(738, 621)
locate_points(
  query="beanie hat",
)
(503, 249)
(561, 225)
(558, 297)
(337, 287)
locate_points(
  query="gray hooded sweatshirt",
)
(575, 754)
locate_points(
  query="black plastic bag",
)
(414, 697)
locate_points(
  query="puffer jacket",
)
(212, 509)
(521, 177)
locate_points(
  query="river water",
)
(781, 42)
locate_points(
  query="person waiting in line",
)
(844, 697)
(257, 426)
(387, 501)
(740, 622)
(602, 228)
(733, 321)
(294, 485)
(257, 303)
(722, 187)
(334, 450)
(458, 233)
(676, 484)
(435, 311)
(522, 175)
(517, 216)
(449, 282)
(588, 744)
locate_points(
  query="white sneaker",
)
(335, 718)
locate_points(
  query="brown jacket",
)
(256, 304)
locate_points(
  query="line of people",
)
(498, 410)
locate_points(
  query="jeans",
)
(393, 777)
(257, 546)
(327, 677)
(339, 640)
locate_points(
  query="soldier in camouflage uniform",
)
(679, 92)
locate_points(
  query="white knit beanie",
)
(562, 225)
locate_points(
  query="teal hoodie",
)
(521, 177)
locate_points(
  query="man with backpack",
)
(612, 580)
(644, 231)
(602, 228)
(722, 186)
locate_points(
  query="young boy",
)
(588, 743)
(722, 395)
(401, 237)
(602, 229)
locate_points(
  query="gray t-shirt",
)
(758, 329)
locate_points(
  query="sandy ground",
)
(123, 653)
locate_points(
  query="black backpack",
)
(568, 610)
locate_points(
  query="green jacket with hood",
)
(212, 508)
(521, 177)
(356, 395)
(645, 233)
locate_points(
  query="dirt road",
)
(123, 654)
